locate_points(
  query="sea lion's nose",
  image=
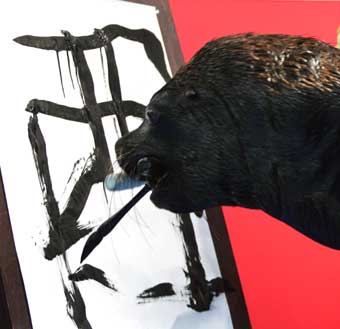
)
(143, 168)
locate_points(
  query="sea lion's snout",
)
(138, 159)
(169, 153)
(176, 149)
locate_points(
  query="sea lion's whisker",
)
(109, 164)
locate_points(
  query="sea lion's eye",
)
(152, 117)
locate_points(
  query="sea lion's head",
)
(185, 147)
(240, 124)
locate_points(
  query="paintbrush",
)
(105, 228)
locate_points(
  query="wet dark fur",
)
(252, 121)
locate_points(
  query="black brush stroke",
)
(216, 286)
(103, 68)
(112, 69)
(64, 229)
(219, 286)
(69, 68)
(159, 290)
(114, 85)
(40, 157)
(59, 111)
(101, 149)
(201, 296)
(152, 46)
(60, 74)
(111, 64)
(76, 306)
(130, 108)
(133, 108)
(67, 223)
(89, 272)
(85, 77)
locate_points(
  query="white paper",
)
(145, 249)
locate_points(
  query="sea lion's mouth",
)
(148, 169)
(144, 169)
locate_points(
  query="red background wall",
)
(289, 281)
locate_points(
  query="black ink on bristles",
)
(105, 228)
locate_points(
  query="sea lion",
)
(251, 121)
